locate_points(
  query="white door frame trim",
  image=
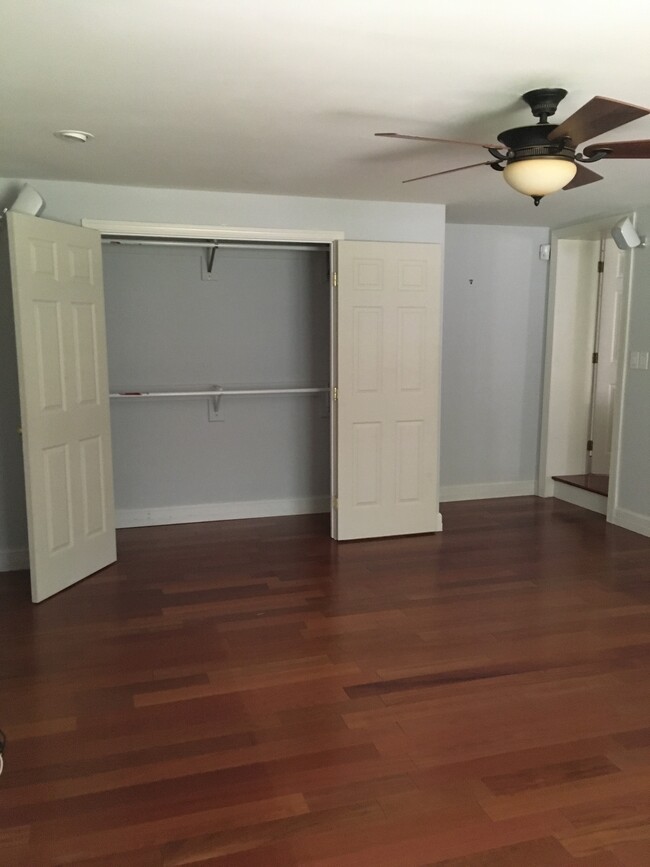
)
(586, 230)
(110, 228)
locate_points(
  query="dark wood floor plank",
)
(253, 693)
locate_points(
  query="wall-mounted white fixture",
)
(28, 201)
(625, 235)
(74, 135)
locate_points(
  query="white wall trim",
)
(544, 489)
(13, 559)
(633, 521)
(619, 400)
(222, 233)
(579, 497)
(486, 491)
(195, 514)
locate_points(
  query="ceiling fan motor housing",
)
(531, 142)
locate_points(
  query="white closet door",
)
(608, 355)
(388, 379)
(62, 370)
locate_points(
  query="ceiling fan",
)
(541, 158)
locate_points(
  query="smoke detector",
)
(75, 135)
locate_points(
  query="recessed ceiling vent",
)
(74, 135)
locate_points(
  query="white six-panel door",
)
(388, 382)
(62, 368)
(608, 354)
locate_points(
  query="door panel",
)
(388, 383)
(608, 354)
(62, 372)
(84, 324)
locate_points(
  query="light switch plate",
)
(643, 360)
(634, 360)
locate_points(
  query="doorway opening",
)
(585, 349)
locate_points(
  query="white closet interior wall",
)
(263, 319)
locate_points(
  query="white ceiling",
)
(284, 97)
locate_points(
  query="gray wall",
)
(371, 221)
(263, 320)
(13, 531)
(634, 467)
(492, 354)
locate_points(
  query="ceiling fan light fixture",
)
(541, 158)
(541, 176)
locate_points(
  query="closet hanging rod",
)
(218, 392)
(230, 245)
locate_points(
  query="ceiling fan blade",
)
(426, 138)
(596, 117)
(447, 172)
(621, 150)
(583, 176)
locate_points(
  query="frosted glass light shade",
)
(539, 177)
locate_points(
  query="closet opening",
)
(220, 359)
(219, 367)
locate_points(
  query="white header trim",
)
(223, 233)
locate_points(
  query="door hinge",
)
(601, 266)
(590, 445)
(594, 358)
(335, 394)
(335, 280)
(335, 502)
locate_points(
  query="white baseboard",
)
(486, 491)
(220, 511)
(546, 486)
(579, 497)
(13, 559)
(634, 521)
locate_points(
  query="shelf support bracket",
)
(211, 255)
(216, 400)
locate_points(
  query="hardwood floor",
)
(252, 693)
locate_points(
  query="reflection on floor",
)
(587, 481)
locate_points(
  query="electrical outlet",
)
(634, 360)
(643, 360)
